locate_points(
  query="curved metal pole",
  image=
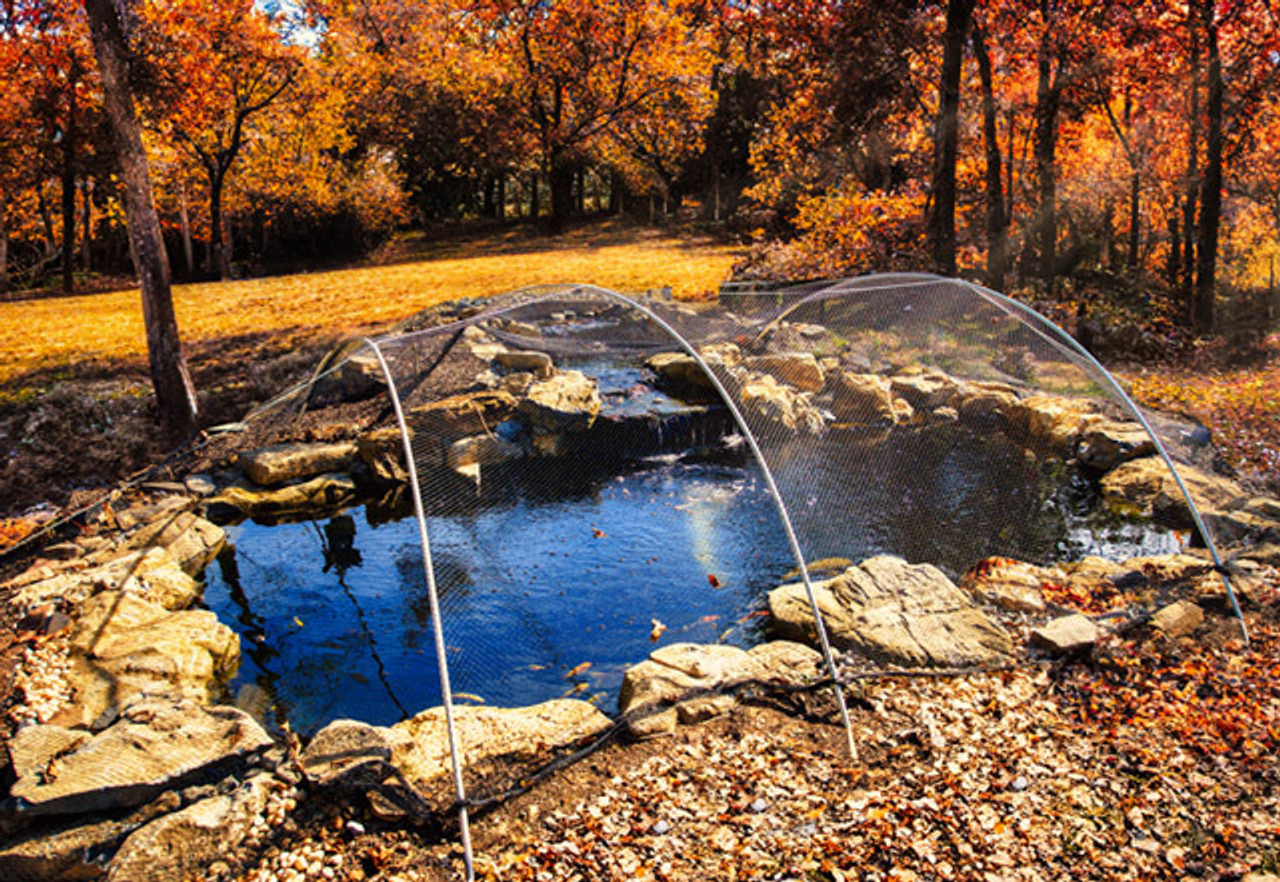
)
(437, 627)
(787, 527)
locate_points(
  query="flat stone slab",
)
(321, 492)
(903, 613)
(273, 465)
(1066, 634)
(155, 745)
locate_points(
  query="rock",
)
(537, 363)
(356, 377)
(150, 573)
(1178, 619)
(482, 450)
(321, 493)
(567, 402)
(703, 708)
(984, 407)
(1011, 584)
(192, 541)
(1147, 485)
(899, 612)
(273, 465)
(75, 848)
(382, 450)
(681, 375)
(653, 723)
(1066, 634)
(785, 661)
(200, 485)
(713, 663)
(1051, 422)
(924, 390)
(169, 506)
(420, 746)
(183, 844)
(803, 337)
(799, 369)
(861, 398)
(348, 753)
(1108, 443)
(470, 413)
(768, 402)
(157, 744)
(123, 646)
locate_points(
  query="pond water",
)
(542, 572)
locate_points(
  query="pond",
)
(555, 576)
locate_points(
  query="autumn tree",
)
(174, 392)
(942, 190)
(215, 65)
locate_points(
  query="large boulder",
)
(1051, 422)
(124, 646)
(321, 493)
(191, 541)
(537, 363)
(420, 745)
(861, 398)
(768, 403)
(567, 402)
(799, 369)
(382, 450)
(157, 744)
(924, 390)
(1148, 486)
(183, 844)
(279, 463)
(902, 613)
(1107, 444)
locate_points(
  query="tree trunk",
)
(942, 219)
(502, 197)
(997, 221)
(1046, 145)
(69, 190)
(1135, 220)
(188, 253)
(175, 395)
(4, 248)
(533, 195)
(561, 175)
(1211, 188)
(1192, 182)
(1173, 266)
(86, 224)
(218, 262)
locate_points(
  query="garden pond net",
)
(510, 503)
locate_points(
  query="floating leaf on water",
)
(468, 696)
(577, 687)
(360, 678)
(712, 580)
(599, 534)
(297, 621)
(576, 671)
(657, 631)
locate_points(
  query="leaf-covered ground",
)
(1241, 405)
(1154, 759)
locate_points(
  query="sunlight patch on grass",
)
(40, 334)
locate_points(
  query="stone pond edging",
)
(126, 767)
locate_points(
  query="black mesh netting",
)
(590, 494)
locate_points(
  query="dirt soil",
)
(1150, 759)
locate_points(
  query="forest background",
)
(1115, 162)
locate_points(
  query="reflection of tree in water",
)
(338, 544)
(260, 652)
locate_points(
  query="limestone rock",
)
(382, 450)
(681, 375)
(653, 723)
(354, 378)
(537, 363)
(799, 369)
(900, 612)
(420, 746)
(786, 661)
(273, 465)
(981, 406)
(124, 646)
(703, 708)
(1108, 443)
(1178, 619)
(1066, 634)
(766, 401)
(482, 450)
(470, 413)
(320, 493)
(192, 541)
(184, 843)
(925, 390)
(75, 847)
(861, 398)
(567, 402)
(157, 744)
(1052, 422)
(349, 753)
(150, 573)
(1011, 584)
(1147, 485)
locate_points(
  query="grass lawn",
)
(51, 333)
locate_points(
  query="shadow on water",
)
(555, 573)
